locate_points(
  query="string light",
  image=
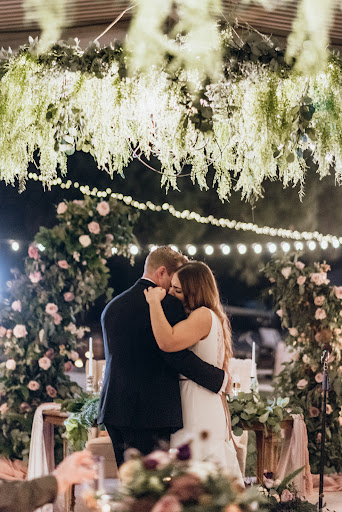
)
(209, 250)
(257, 248)
(134, 249)
(225, 249)
(191, 250)
(242, 249)
(272, 248)
(15, 246)
(312, 245)
(189, 215)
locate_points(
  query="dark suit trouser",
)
(144, 440)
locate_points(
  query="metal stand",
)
(325, 388)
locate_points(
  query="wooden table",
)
(57, 418)
(267, 446)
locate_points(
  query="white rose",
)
(11, 364)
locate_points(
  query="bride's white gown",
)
(203, 411)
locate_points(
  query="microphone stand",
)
(325, 388)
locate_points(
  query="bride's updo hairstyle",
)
(199, 288)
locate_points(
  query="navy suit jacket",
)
(141, 384)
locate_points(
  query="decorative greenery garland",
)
(38, 331)
(262, 121)
(311, 310)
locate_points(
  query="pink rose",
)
(301, 280)
(103, 208)
(167, 504)
(338, 291)
(328, 409)
(51, 391)
(20, 331)
(103, 261)
(109, 238)
(71, 328)
(319, 278)
(68, 366)
(74, 355)
(51, 308)
(16, 305)
(63, 264)
(3, 408)
(313, 412)
(3, 331)
(319, 377)
(302, 383)
(68, 296)
(35, 277)
(300, 265)
(61, 208)
(286, 496)
(11, 364)
(44, 363)
(24, 407)
(50, 353)
(286, 271)
(57, 319)
(33, 252)
(94, 227)
(84, 240)
(279, 312)
(33, 385)
(293, 331)
(319, 300)
(320, 314)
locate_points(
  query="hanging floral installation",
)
(311, 312)
(65, 271)
(247, 112)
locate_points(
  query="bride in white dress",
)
(206, 331)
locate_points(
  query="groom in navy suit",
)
(140, 400)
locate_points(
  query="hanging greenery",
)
(260, 121)
(65, 271)
(311, 311)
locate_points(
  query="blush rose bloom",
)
(19, 331)
(51, 391)
(314, 412)
(68, 366)
(286, 271)
(293, 331)
(57, 319)
(51, 308)
(286, 496)
(3, 408)
(16, 306)
(11, 364)
(319, 378)
(109, 237)
(61, 208)
(302, 383)
(68, 296)
(74, 355)
(103, 208)
(301, 280)
(44, 363)
(84, 240)
(3, 331)
(320, 314)
(338, 291)
(306, 359)
(63, 264)
(319, 300)
(94, 227)
(33, 385)
(300, 265)
(319, 278)
(35, 277)
(71, 328)
(33, 252)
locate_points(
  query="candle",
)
(253, 361)
(90, 367)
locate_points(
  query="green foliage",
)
(247, 409)
(311, 310)
(78, 423)
(65, 272)
(259, 121)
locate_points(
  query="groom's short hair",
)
(164, 257)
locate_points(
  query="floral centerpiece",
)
(310, 310)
